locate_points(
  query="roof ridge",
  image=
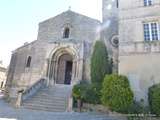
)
(73, 13)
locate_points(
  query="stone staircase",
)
(54, 99)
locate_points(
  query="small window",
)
(151, 31)
(117, 3)
(66, 33)
(147, 2)
(29, 61)
(2, 84)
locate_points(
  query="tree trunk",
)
(79, 105)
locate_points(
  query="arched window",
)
(29, 61)
(66, 33)
(2, 84)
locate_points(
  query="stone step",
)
(46, 105)
(57, 91)
(49, 99)
(54, 93)
(47, 102)
(48, 95)
(46, 99)
(45, 108)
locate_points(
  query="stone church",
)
(42, 73)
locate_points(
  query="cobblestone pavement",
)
(7, 111)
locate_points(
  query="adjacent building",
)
(139, 44)
(3, 73)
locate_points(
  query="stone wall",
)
(138, 59)
(82, 28)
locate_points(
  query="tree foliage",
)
(116, 93)
(99, 63)
(78, 91)
(154, 99)
(93, 94)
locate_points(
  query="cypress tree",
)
(99, 63)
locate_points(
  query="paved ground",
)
(7, 111)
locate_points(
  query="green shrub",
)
(89, 93)
(99, 63)
(116, 93)
(138, 108)
(78, 91)
(154, 99)
(93, 94)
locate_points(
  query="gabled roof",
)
(72, 13)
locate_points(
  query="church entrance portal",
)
(61, 70)
(64, 74)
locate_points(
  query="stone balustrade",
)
(70, 103)
(33, 89)
(24, 94)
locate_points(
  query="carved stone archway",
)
(63, 67)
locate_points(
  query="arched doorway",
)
(64, 71)
(62, 67)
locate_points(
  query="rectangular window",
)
(146, 32)
(147, 2)
(154, 31)
(151, 31)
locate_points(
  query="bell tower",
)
(109, 9)
(109, 29)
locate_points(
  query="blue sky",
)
(19, 19)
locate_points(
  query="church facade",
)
(61, 54)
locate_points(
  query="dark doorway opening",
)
(68, 72)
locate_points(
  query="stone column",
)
(19, 98)
(53, 77)
(56, 70)
(79, 70)
(70, 104)
(52, 73)
(49, 70)
(73, 72)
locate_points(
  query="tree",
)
(116, 93)
(99, 63)
(154, 99)
(78, 93)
